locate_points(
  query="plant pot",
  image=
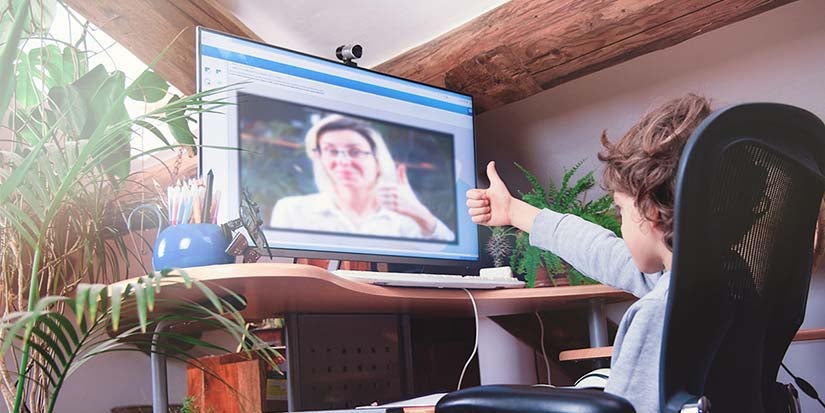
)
(190, 245)
(543, 279)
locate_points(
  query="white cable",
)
(543, 351)
(475, 345)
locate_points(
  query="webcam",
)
(349, 52)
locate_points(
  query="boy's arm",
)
(593, 250)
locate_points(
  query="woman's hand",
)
(402, 199)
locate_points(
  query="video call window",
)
(315, 170)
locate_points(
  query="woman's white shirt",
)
(317, 212)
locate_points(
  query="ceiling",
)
(497, 51)
(384, 28)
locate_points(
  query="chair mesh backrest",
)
(747, 197)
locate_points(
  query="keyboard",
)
(405, 279)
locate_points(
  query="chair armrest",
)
(531, 399)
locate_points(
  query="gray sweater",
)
(599, 254)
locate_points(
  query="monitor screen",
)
(344, 163)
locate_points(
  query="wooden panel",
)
(810, 334)
(526, 46)
(586, 353)
(419, 409)
(147, 27)
(599, 352)
(232, 384)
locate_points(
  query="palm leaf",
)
(8, 52)
(68, 151)
(58, 350)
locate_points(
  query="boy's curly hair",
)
(643, 163)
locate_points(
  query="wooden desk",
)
(273, 289)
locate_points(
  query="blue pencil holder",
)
(190, 245)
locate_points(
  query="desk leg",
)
(597, 323)
(503, 358)
(292, 372)
(160, 394)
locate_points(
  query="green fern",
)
(577, 278)
(537, 196)
(526, 259)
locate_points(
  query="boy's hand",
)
(491, 206)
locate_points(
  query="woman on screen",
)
(360, 189)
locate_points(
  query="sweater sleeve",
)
(593, 250)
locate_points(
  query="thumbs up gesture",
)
(401, 199)
(491, 206)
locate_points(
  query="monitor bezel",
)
(344, 256)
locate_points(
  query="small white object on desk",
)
(497, 273)
(423, 401)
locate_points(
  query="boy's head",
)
(640, 169)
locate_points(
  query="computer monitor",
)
(344, 163)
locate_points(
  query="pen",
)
(170, 207)
(207, 201)
(216, 201)
(187, 206)
(182, 205)
(197, 206)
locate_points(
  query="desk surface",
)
(274, 288)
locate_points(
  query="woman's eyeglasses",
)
(334, 153)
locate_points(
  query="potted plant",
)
(498, 245)
(528, 261)
(65, 177)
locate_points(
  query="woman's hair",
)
(386, 166)
(643, 162)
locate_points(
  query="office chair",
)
(748, 191)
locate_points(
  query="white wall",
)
(776, 56)
(117, 380)
(114, 380)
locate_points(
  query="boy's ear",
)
(652, 214)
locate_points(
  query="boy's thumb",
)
(492, 174)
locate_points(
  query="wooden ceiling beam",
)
(147, 27)
(526, 46)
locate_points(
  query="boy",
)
(640, 170)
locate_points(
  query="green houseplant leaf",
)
(178, 123)
(59, 180)
(8, 52)
(567, 198)
(70, 109)
(148, 87)
(61, 346)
